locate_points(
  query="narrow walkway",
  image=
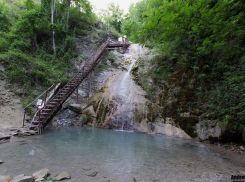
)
(44, 115)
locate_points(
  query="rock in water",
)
(23, 178)
(5, 178)
(63, 175)
(1, 162)
(41, 173)
(92, 174)
(87, 168)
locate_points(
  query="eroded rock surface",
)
(63, 175)
(41, 174)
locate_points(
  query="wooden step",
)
(52, 105)
(36, 122)
(46, 113)
(47, 109)
(57, 99)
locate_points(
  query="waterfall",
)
(125, 84)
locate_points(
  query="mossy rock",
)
(188, 124)
(83, 119)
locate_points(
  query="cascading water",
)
(125, 84)
(124, 99)
(124, 119)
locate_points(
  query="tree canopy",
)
(205, 36)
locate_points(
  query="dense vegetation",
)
(37, 40)
(201, 39)
(112, 16)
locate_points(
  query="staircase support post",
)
(24, 118)
(77, 94)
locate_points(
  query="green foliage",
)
(204, 36)
(26, 49)
(112, 16)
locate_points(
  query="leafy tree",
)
(207, 36)
(112, 16)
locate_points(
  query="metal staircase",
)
(50, 107)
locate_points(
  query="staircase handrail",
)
(39, 96)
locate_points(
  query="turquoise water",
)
(115, 155)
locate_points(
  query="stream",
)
(116, 156)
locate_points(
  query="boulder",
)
(5, 178)
(90, 113)
(83, 119)
(23, 178)
(208, 129)
(77, 108)
(41, 173)
(170, 130)
(1, 162)
(143, 127)
(63, 175)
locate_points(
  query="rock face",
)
(208, 129)
(75, 108)
(122, 104)
(23, 178)
(63, 175)
(11, 110)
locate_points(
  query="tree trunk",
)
(67, 20)
(68, 12)
(52, 22)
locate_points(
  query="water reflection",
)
(118, 156)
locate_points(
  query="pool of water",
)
(115, 155)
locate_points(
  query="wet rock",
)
(63, 175)
(170, 130)
(1, 161)
(5, 178)
(23, 178)
(83, 119)
(143, 127)
(90, 113)
(77, 108)
(87, 168)
(31, 132)
(92, 174)
(3, 136)
(41, 173)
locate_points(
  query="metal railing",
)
(42, 96)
